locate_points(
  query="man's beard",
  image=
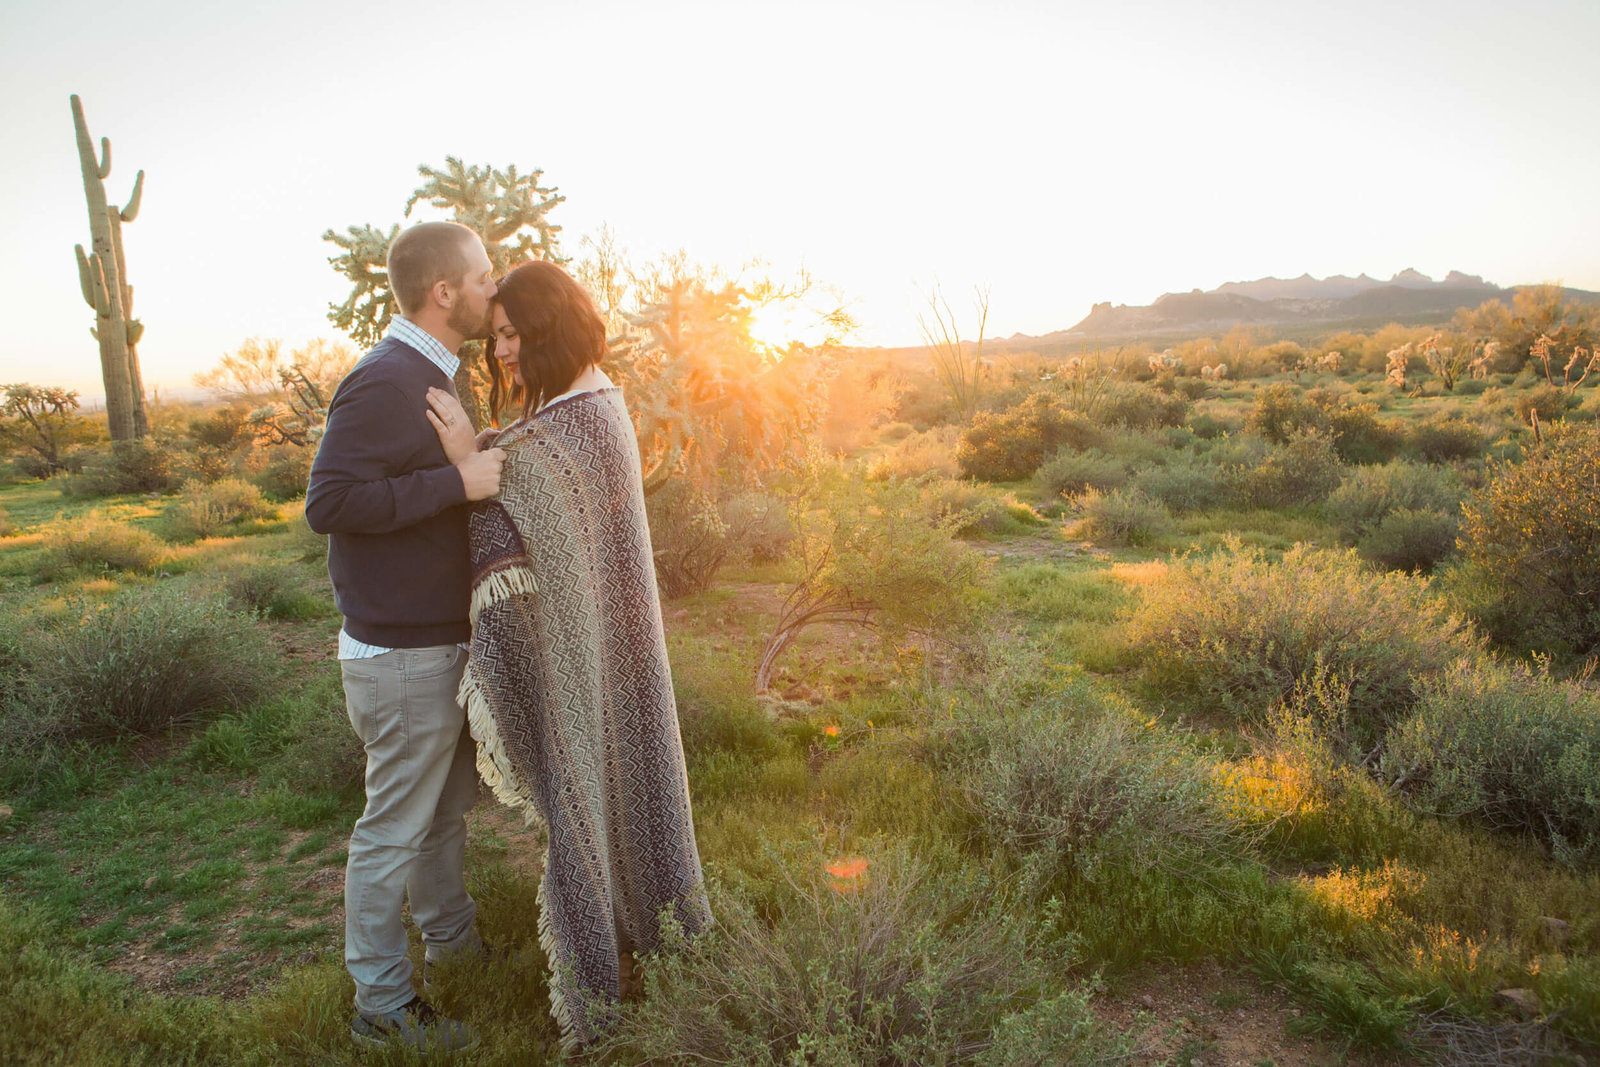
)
(464, 322)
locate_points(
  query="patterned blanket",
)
(570, 699)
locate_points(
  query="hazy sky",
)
(1060, 153)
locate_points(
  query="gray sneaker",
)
(417, 1025)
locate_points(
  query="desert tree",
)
(287, 394)
(508, 209)
(872, 556)
(38, 418)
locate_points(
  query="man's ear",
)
(442, 294)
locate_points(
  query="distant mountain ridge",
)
(1408, 295)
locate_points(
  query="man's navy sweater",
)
(392, 505)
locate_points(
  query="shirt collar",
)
(404, 330)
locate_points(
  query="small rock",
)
(1147, 1002)
(5, 813)
(1555, 929)
(150, 881)
(1525, 1002)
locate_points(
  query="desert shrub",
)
(1208, 426)
(208, 510)
(1442, 438)
(975, 508)
(1192, 485)
(1281, 411)
(1102, 787)
(279, 471)
(1011, 444)
(324, 753)
(1369, 494)
(1138, 407)
(1508, 746)
(1549, 402)
(917, 453)
(871, 555)
(147, 662)
(7, 527)
(269, 589)
(893, 963)
(896, 431)
(1472, 386)
(689, 537)
(1359, 436)
(758, 526)
(1409, 540)
(1534, 533)
(142, 466)
(1237, 633)
(309, 546)
(1072, 472)
(1304, 471)
(1120, 517)
(95, 542)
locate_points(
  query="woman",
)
(567, 687)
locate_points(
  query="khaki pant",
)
(412, 838)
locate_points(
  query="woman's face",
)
(507, 344)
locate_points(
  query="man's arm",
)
(355, 485)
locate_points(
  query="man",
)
(392, 504)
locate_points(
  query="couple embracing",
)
(500, 618)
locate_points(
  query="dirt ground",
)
(1204, 1017)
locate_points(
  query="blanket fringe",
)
(560, 1010)
(494, 766)
(505, 582)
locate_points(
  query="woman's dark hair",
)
(560, 331)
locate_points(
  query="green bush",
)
(1367, 495)
(1304, 471)
(1098, 787)
(1138, 407)
(916, 454)
(980, 509)
(1442, 438)
(209, 510)
(1534, 533)
(1208, 426)
(95, 542)
(1509, 747)
(7, 527)
(1188, 486)
(1008, 445)
(1282, 412)
(1121, 517)
(271, 590)
(147, 662)
(899, 964)
(1547, 401)
(280, 471)
(1237, 633)
(1072, 472)
(1409, 540)
(142, 466)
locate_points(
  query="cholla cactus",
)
(1214, 373)
(1162, 362)
(103, 276)
(1395, 371)
(1582, 359)
(1485, 360)
(1333, 362)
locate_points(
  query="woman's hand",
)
(486, 437)
(450, 422)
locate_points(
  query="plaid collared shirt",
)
(407, 332)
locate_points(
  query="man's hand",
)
(450, 422)
(480, 473)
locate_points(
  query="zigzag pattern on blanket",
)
(570, 698)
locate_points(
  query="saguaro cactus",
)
(103, 274)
